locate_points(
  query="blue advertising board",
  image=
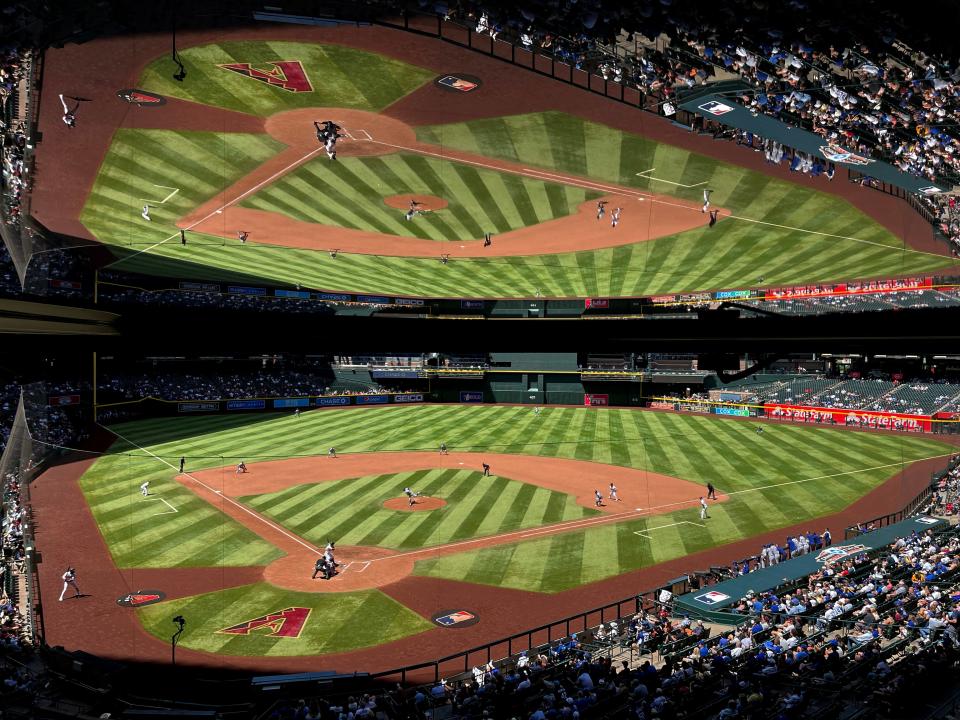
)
(243, 290)
(725, 294)
(738, 411)
(471, 396)
(246, 404)
(372, 399)
(291, 402)
(333, 296)
(379, 299)
(416, 302)
(408, 398)
(332, 401)
(471, 304)
(303, 294)
(205, 287)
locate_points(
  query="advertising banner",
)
(372, 399)
(244, 290)
(291, 402)
(198, 406)
(469, 396)
(596, 303)
(414, 302)
(730, 294)
(333, 401)
(731, 410)
(302, 294)
(246, 404)
(203, 287)
(596, 400)
(852, 418)
(408, 398)
(333, 296)
(471, 304)
(378, 299)
(698, 407)
(402, 374)
(662, 405)
(63, 400)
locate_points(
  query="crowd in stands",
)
(14, 65)
(854, 83)
(15, 630)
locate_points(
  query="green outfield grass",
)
(340, 76)
(350, 192)
(146, 166)
(338, 622)
(352, 512)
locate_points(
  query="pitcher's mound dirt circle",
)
(426, 202)
(423, 503)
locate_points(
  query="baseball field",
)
(234, 552)
(523, 158)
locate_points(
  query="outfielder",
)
(145, 214)
(706, 200)
(144, 488)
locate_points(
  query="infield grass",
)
(350, 193)
(338, 622)
(351, 511)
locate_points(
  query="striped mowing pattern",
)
(827, 469)
(351, 510)
(349, 193)
(337, 622)
(340, 76)
(144, 167)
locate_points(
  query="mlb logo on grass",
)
(455, 617)
(716, 108)
(712, 598)
(456, 83)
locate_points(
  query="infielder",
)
(332, 452)
(144, 488)
(613, 493)
(703, 509)
(598, 498)
(706, 200)
(615, 218)
(443, 448)
(601, 209)
(70, 580)
(241, 467)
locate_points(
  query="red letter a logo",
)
(286, 74)
(285, 623)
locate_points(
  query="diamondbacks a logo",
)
(287, 623)
(141, 98)
(285, 74)
(141, 598)
(835, 153)
(832, 554)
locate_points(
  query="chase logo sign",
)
(715, 107)
(832, 554)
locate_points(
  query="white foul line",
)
(217, 492)
(669, 182)
(161, 202)
(165, 512)
(223, 207)
(643, 533)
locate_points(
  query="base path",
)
(645, 216)
(645, 493)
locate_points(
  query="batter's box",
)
(361, 135)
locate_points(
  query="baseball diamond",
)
(527, 171)
(242, 544)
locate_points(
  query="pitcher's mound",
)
(423, 503)
(428, 203)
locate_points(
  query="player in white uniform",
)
(613, 493)
(70, 580)
(598, 498)
(703, 509)
(241, 467)
(411, 495)
(615, 217)
(706, 200)
(145, 214)
(144, 488)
